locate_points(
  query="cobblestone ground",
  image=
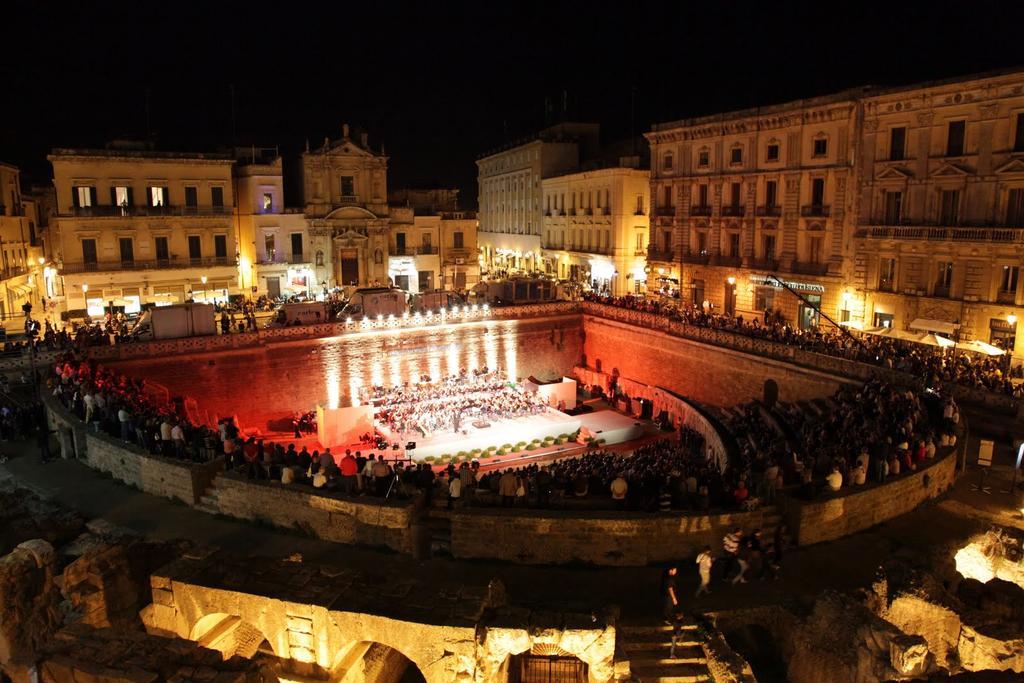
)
(844, 564)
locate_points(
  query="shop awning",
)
(978, 346)
(932, 339)
(929, 325)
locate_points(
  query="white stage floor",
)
(611, 426)
(501, 432)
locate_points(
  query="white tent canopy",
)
(978, 346)
(929, 325)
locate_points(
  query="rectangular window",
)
(83, 196)
(703, 158)
(348, 186)
(814, 250)
(764, 298)
(270, 247)
(818, 192)
(734, 244)
(769, 247)
(820, 147)
(425, 240)
(772, 152)
(1015, 208)
(702, 243)
(89, 251)
(122, 196)
(639, 205)
(770, 193)
(949, 204)
(698, 293)
(217, 197)
(897, 143)
(734, 195)
(162, 253)
(639, 241)
(458, 240)
(943, 278)
(887, 274)
(955, 138)
(668, 196)
(195, 247)
(702, 196)
(668, 162)
(736, 155)
(1008, 282)
(1018, 135)
(893, 207)
(267, 206)
(127, 249)
(191, 196)
(667, 240)
(220, 246)
(158, 196)
(296, 244)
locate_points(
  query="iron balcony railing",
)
(731, 210)
(941, 234)
(768, 211)
(808, 268)
(662, 255)
(422, 250)
(156, 264)
(696, 258)
(700, 210)
(108, 210)
(815, 210)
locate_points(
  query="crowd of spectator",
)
(934, 365)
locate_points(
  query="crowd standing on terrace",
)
(935, 366)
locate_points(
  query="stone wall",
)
(708, 374)
(601, 538)
(150, 473)
(861, 508)
(330, 517)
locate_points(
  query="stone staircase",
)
(208, 501)
(439, 524)
(647, 648)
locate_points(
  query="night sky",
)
(441, 83)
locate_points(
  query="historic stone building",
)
(23, 273)
(345, 191)
(748, 200)
(135, 225)
(511, 213)
(274, 245)
(940, 224)
(595, 228)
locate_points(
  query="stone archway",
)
(372, 662)
(231, 635)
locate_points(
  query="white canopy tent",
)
(929, 325)
(984, 348)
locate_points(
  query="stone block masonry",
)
(708, 374)
(600, 538)
(332, 518)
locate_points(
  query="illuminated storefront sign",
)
(769, 281)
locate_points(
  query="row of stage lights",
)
(443, 315)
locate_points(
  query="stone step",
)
(628, 631)
(671, 673)
(664, 660)
(209, 500)
(650, 641)
(205, 507)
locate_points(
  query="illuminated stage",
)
(500, 432)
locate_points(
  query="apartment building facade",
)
(135, 226)
(595, 228)
(511, 214)
(940, 229)
(751, 207)
(23, 267)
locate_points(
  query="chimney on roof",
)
(344, 130)
(364, 139)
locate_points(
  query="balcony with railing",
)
(1004, 297)
(665, 211)
(155, 264)
(768, 211)
(422, 250)
(815, 210)
(723, 260)
(941, 290)
(123, 211)
(700, 210)
(733, 210)
(696, 258)
(942, 234)
(280, 259)
(764, 263)
(660, 255)
(809, 268)
(459, 256)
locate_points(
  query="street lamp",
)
(85, 288)
(1012, 319)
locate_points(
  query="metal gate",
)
(528, 668)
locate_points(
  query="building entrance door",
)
(528, 668)
(349, 267)
(809, 315)
(273, 287)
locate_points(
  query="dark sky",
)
(441, 82)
